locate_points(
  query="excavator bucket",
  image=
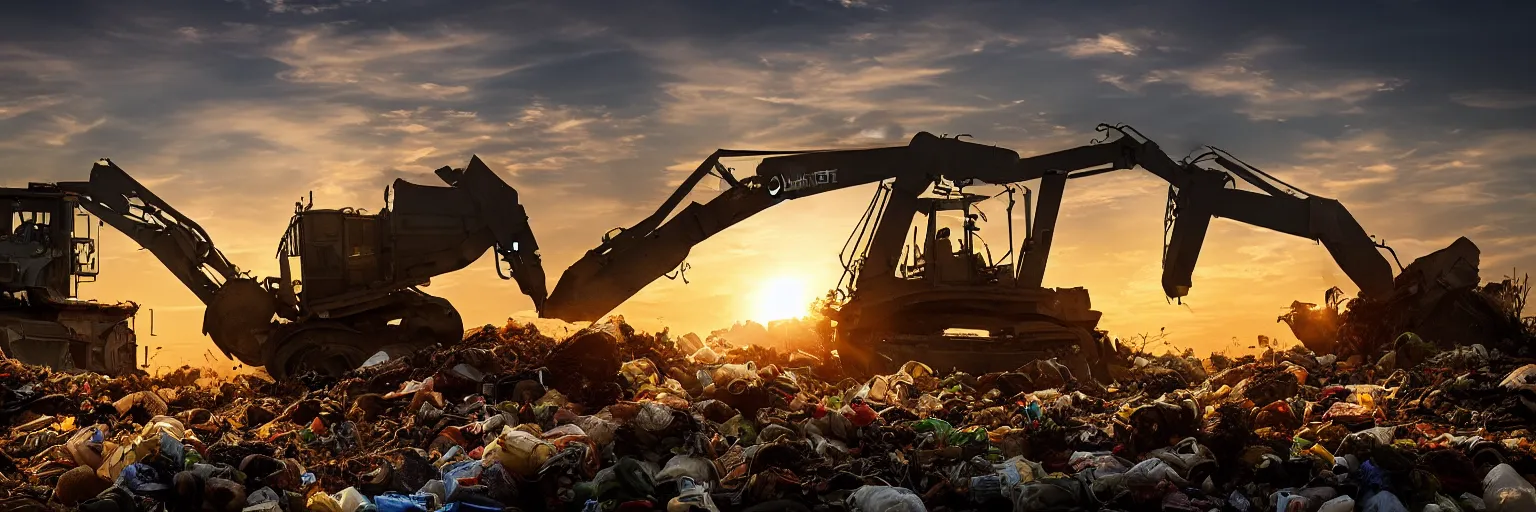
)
(239, 318)
(508, 220)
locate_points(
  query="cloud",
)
(857, 88)
(10, 108)
(857, 4)
(387, 64)
(1496, 99)
(1103, 44)
(34, 81)
(308, 6)
(1423, 192)
(67, 127)
(1264, 95)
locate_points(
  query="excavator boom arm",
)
(1201, 194)
(624, 264)
(616, 270)
(1317, 218)
(179, 243)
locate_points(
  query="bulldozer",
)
(926, 301)
(49, 247)
(356, 292)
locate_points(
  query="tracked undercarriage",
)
(978, 329)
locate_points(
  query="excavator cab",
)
(339, 252)
(952, 305)
(942, 261)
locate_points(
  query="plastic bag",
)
(736, 378)
(87, 445)
(692, 496)
(1339, 504)
(928, 404)
(521, 452)
(880, 498)
(699, 469)
(1148, 473)
(151, 403)
(1384, 501)
(599, 430)
(704, 355)
(1504, 490)
(458, 474)
(553, 398)
(653, 417)
(396, 502)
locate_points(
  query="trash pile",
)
(613, 419)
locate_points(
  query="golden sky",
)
(234, 112)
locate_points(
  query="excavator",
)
(898, 304)
(359, 275)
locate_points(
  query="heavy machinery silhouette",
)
(893, 311)
(357, 291)
(48, 248)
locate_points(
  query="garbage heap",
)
(612, 419)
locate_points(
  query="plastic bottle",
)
(1286, 501)
(350, 500)
(521, 452)
(1001, 483)
(322, 502)
(1504, 490)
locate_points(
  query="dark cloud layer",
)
(1416, 114)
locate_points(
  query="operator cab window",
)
(360, 237)
(30, 226)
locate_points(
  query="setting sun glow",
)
(781, 297)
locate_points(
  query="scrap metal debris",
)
(615, 419)
(1437, 298)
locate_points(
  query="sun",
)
(781, 297)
